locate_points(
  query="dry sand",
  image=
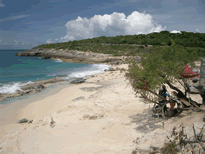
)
(106, 121)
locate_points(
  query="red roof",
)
(187, 72)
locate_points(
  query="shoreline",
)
(101, 115)
(37, 86)
(9, 112)
(17, 102)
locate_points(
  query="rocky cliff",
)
(72, 56)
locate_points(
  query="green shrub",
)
(141, 47)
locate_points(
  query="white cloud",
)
(109, 25)
(1, 5)
(175, 31)
(14, 17)
(49, 41)
(197, 30)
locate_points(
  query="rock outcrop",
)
(24, 121)
(72, 56)
(30, 88)
(77, 80)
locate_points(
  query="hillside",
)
(126, 45)
(114, 49)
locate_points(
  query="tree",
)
(156, 67)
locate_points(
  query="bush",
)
(141, 47)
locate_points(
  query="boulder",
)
(45, 57)
(30, 121)
(111, 69)
(190, 83)
(196, 70)
(64, 75)
(193, 90)
(78, 98)
(27, 91)
(78, 80)
(195, 79)
(50, 81)
(196, 84)
(40, 86)
(23, 121)
(27, 87)
(93, 117)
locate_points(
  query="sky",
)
(25, 24)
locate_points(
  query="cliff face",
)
(71, 56)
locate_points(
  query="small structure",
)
(188, 73)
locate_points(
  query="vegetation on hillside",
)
(156, 68)
(124, 45)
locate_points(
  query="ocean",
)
(17, 71)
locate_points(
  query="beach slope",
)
(100, 116)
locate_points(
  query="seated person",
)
(163, 93)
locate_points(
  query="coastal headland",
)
(73, 56)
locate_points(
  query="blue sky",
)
(25, 24)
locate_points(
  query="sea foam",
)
(93, 69)
(78, 73)
(12, 87)
(58, 60)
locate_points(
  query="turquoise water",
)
(16, 71)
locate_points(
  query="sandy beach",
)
(100, 116)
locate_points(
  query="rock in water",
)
(23, 121)
(40, 86)
(65, 75)
(78, 80)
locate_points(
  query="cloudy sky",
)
(25, 24)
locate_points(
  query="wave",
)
(13, 87)
(58, 60)
(93, 69)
